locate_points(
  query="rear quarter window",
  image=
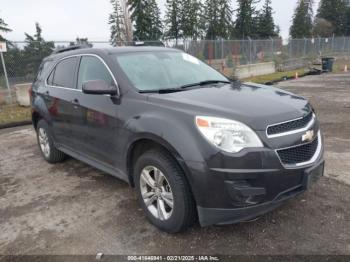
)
(43, 69)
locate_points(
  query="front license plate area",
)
(312, 175)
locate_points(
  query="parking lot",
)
(72, 208)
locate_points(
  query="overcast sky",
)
(64, 20)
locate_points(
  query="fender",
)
(177, 136)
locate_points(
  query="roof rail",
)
(70, 48)
(149, 43)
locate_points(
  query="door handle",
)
(75, 101)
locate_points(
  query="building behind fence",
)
(221, 54)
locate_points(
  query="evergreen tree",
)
(138, 9)
(218, 16)
(146, 17)
(81, 41)
(266, 26)
(3, 28)
(302, 20)
(172, 20)
(190, 21)
(156, 26)
(323, 28)
(247, 20)
(116, 22)
(211, 18)
(335, 12)
(35, 50)
(225, 24)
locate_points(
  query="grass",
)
(275, 76)
(339, 65)
(13, 114)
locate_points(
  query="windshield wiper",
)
(161, 91)
(181, 88)
(203, 83)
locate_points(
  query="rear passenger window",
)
(64, 73)
(91, 68)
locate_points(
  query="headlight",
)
(228, 135)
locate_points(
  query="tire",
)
(46, 145)
(183, 213)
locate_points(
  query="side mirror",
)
(99, 87)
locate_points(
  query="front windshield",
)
(149, 71)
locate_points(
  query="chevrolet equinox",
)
(195, 145)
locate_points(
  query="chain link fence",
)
(221, 54)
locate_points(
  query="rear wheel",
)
(163, 192)
(46, 145)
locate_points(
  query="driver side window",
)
(91, 68)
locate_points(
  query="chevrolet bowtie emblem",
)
(309, 136)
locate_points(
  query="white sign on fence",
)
(3, 47)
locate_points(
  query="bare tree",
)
(127, 20)
(120, 22)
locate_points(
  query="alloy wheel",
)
(156, 193)
(44, 142)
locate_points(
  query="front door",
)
(97, 135)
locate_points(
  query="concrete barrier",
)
(293, 64)
(22, 94)
(247, 71)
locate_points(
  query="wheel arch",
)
(145, 143)
(36, 117)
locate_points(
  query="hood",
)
(255, 105)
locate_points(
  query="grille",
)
(298, 154)
(289, 126)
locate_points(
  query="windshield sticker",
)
(190, 59)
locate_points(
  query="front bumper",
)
(226, 196)
(210, 216)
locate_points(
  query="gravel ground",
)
(71, 208)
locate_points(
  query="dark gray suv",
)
(194, 144)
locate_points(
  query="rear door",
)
(63, 103)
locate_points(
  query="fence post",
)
(344, 44)
(210, 51)
(333, 44)
(250, 51)
(319, 46)
(305, 42)
(222, 48)
(272, 48)
(6, 77)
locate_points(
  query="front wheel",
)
(163, 192)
